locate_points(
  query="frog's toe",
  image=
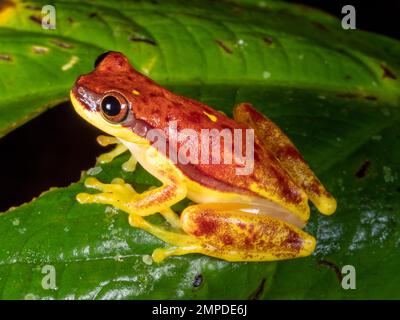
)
(83, 197)
(107, 157)
(130, 165)
(118, 193)
(118, 181)
(117, 186)
(160, 254)
(118, 199)
(110, 156)
(93, 183)
(104, 198)
(105, 141)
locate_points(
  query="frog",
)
(254, 217)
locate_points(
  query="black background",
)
(379, 16)
(52, 149)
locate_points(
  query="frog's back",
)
(265, 178)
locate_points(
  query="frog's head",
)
(107, 97)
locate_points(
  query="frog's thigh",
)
(279, 144)
(229, 233)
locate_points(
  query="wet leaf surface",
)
(335, 92)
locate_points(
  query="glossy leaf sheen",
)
(335, 92)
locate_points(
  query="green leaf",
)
(335, 92)
(98, 255)
(179, 44)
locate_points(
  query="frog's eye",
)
(114, 107)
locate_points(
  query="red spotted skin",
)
(155, 107)
(246, 234)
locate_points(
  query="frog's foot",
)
(119, 149)
(123, 196)
(278, 143)
(118, 194)
(181, 243)
(230, 232)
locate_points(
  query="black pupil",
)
(111, 106)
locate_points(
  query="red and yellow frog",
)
(254, 217)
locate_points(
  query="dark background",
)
(379, 16)
(51, 150)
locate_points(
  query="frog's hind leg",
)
(237, 233)
(230, 232)
(180, 243)
(119, 149)
(278, 143)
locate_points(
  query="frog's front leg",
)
(231, 232)
(122, 195)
